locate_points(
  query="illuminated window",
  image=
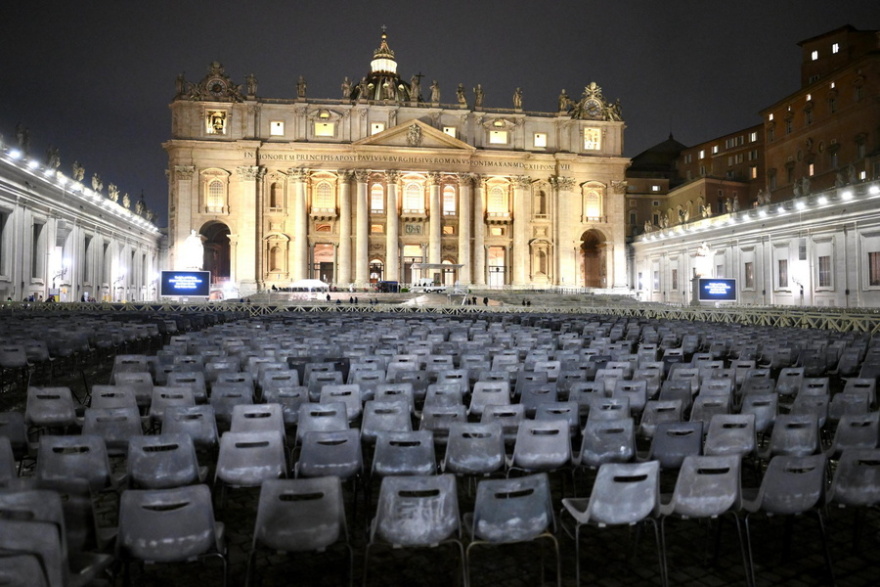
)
(448, 230)
(499, 231)
(753, 172)
(824, 271)
(749, 274)
(702, 153)
(448, 200)
(498, 137)
(835, 47)
(809, 97)
(324, 197)
(215, 123)
(753, 136)
(496, 203)
(276, 128)
(413, 198)
(377, 199)
(216, 196)
(814, 55)
(449, 130)
(714, 149)
(811, 170)
(540, 139)
(376, 127)
(325, 129)
(377, 229)
(592, 139)
(592, 204)
(783, 273)
(655, 188)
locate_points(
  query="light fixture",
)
(847, 195)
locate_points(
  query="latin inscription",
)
(395, 159)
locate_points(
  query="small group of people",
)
(472, 301)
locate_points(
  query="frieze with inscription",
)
(404, 159)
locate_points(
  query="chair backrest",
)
(162, 461)
(606, 441)
(416, 511)
(246, 459)
(542, 445)
(113, 396)
(346, 393)
(792, 485)
(35, 546)
(763, 406)
(384, 416)
(318, 416)
(534, 393)
(673, 441)
(290, 399)
(196, 421)
(794, 434)
(13, 427)
(608, 408)
(165, 396)
(707, 486)
(194, 380)
(512, 510)
(731, 434)
(258, 418)
(789, 380)
(166, 525)
(404, 453)
(74, 457)
(50, 407)
(330, 453)
(474, 448)
(509, 416)
(857, 384)
(115, 425)
(488, 392)
(657, 411)
(856, 431)
(624, 493)
(225, 396)
(140, 382)
(300, 515)
(856, 480)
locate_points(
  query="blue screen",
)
(186, 283)
(717, 290)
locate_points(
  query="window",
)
(825, 271)
(498, 137)
(753, 172)
(413, 200)
(655, 188)
(448, 200)
(540, 139)
(377, 199)
(674, 280)
(808, 117)
(835, 47)
(783, 273)
(496, 231)
(276, 128)
(376, 127)
(592, 139)
(749, 274)
(814, 55)
(811, 170)
(325, 129)
(753, 137)
(593, 204)
(714, 149)
(448, 230)
(215, 122)
(323, 198)
(656, 281)
(873, 268)
(788, 126)
(702, 153)
(496, 203)
(449, 130)
(832, 104)
(275, 195)
(377, 229)
(216, 196)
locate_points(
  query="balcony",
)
(499, 218)
(323, 213)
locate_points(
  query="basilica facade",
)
(390, 182)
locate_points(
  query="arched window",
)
(323, 198)
(497, 201)
(216, 196)
(541, 203)
(377, 199)
(413, 198)
(593, 202)
(448, 200)
(275, 195)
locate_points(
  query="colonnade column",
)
(436, 214)
(300, 225)
(617, 275)
(465, 207)
(250, 243)
(520, 251)
(362, 231)
(564, 216)
(392, 228)
(343, 258)
(479, 249)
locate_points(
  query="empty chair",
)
(608, 408)
(438, 418)
(246, 459)
(856, 481)
(509, 416)
(225, 396)
(52, 408)
(764, 407)
(868, 385)
(791, 486)
(384, 416)
(565, 410)
(169, 525)
(848, 403)
(657, 411)
(606, 441)
(813, 405)
(794, 435)
(636, 391)
(707, 487)
(419, 511)
(258, 418)
(317, 416)
(789, 381)
(290, 399)
(673, 441)
(396, 392)
(8, 471)
(855, 431)
(197, 422)
(488, 392)
(705, 407)
(318, 379)
(163, 461)
(300, 515)
(348, 394)
(13, 428)
(514, 510)
(61, 458)
(112, 396)
(404, 453)
(542, 445)
(474, 449)
(140, 382)
(624, 494)
(115, 425)
(731, 434)
(164, 397)
(194, 380)
(334, 453)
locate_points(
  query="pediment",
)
(415, 134)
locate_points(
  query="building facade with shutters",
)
(392, 183)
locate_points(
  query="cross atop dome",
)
(383, 57)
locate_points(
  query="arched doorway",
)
(215, 237)
(593, 258)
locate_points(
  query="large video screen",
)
(717, 290)
(185, 283)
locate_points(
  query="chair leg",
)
(820, 518)
(752, 579)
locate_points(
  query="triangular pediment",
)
(415, 134)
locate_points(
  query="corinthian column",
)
(465, 207)
(248, 270)
(479, 257)
(343, 276)
(566, 217)
(362, 231)
(435, 212)
(520, 230)
(392, 222)
(300, 240)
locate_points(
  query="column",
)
(300, 240)
(465, 207)
(564, 217)
(186, 192)
(435, 212)
(259, 205)
(617, 276)
(479, 249)
(343, 258)
(520, 252)
(362, 231)
(248, 230)
(392, 229)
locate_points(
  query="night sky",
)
(95, 78)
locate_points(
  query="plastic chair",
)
(197, 422)
(488, 392)
(708, 487)
(731, 434)
(606, 441)
(334, 453)
(608, 408)
(8, 470)
(791, 486)
(113, 396)
(164, 397)
(508, 511)
(258, 418)
(318, 416)
(300, 515)
(31, 546)
(52, 408)
(163, 461)
(855, 431)
(61, 458)
(404, 453)
(509, 416)
(624, 494)
(384, 416)
(541, 446)
(438, 418)
(13, 427)
(856, 481)
(246, 459)
(348, 394)
(169, 525)
(636, 391)
(474, 449)
(225, 396)
(673, 441)
(418, 511)
(140, 382)
(657, 411)
(290, 399)
(115, 425)
(565, 410)
(764, 407)
(194, 380)
(794, 435)
(534, 393)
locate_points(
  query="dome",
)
(382, 83)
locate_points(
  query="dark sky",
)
(95, 78)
